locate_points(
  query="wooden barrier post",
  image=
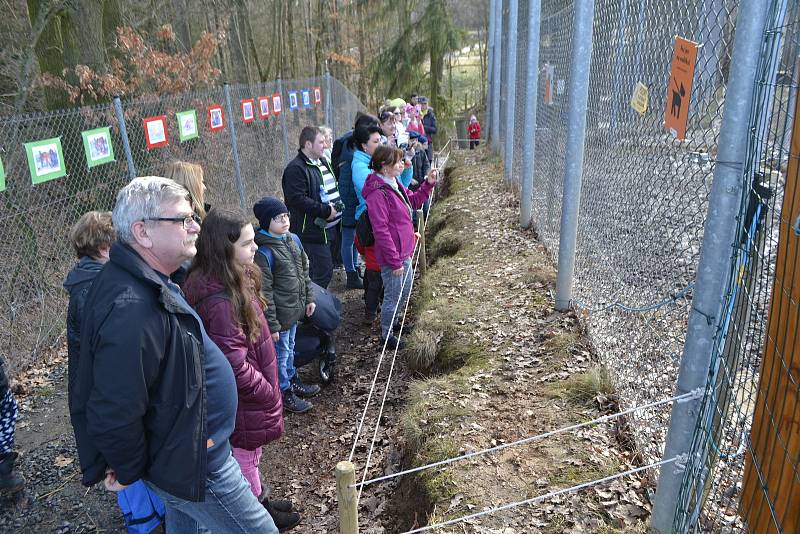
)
(348, 497)
(423, 260)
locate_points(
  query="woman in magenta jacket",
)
(390, 205)
(224, 286)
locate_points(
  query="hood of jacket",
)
(84, 271)
(200, 286)
(262, 239)
(374, 183)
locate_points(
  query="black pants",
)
(320, 263)
(473, 143)
(373, 289)
(335, 242)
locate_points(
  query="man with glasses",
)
(155, 398)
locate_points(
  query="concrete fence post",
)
(497, 73)
(530, 103)
(511, 89)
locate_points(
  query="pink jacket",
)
(259, 416)
(391, 222)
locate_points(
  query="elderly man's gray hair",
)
(143, 198)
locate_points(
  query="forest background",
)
(61, 53)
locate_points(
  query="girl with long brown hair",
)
(224, 286)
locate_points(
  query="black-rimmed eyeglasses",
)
(186, 221)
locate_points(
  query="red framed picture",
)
(216, 118)
(317, 95)
(263, 107)
(155, 132)
(248, 110)
(277, 104)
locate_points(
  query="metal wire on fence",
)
(35, 219)
(644, 202)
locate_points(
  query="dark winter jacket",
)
(77, 283)
(301, 181)
(429, 122)
(286, 286)
(342, 157)
(391, 220)
(259, 416)
(3, 378)
(421, 167)
(147, 416)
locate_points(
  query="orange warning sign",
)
(679, 90)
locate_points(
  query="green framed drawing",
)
(2, 177)
(45, 160)
(97, 144)
(187, 125)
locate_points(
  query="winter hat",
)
(422, 99)
(413, 134)
(472, 118)
(267, 208)
(423, 139)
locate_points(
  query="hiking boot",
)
(392, 342)
(281, 505)
(369, 318)
(303, 390)
(354, 281)
(282, 514)
(294, 404)
(10, 482)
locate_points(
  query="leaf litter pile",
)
(488, 362)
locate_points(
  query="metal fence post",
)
(580, 63)
(530, 103)
(490, 69)
(237, 168)
(328, 101)
(123, 132)
(511, 88)
(283, 124)
(716, 255)
(497, 73)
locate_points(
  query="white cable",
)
(681, 457)
(377, 370)
(388, 379)
(680, 398)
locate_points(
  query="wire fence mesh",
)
(35, 219)
(643, 205)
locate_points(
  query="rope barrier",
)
(695, 394)
(679, 460)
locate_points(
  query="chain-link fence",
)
(35, 219)
(643, 204)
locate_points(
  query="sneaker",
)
(294, 404)
(354, 281)
(303, 390)
(284, 519)
(392, 343)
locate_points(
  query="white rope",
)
(388, 378)
(680, 458)
(697, 393)
(415, 252)
(377, 370)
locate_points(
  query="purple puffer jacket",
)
(391, 223)
(259, 415)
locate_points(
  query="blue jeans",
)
(349, 252)
(392, 297)
(229, 506)
(285, 349)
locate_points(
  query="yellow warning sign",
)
(640, 98)
(679, 90)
